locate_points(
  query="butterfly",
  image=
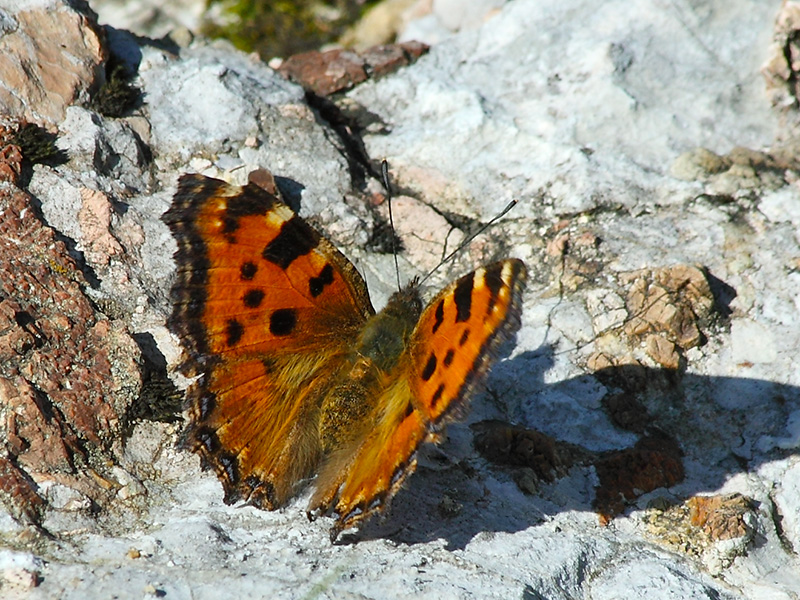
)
(297, 374)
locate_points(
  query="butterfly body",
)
(347, 406)
(298, 375)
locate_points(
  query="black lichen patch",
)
(117, 97)
(38, 145)
(383, 239)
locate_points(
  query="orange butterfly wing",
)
(459, 334)
(266, 308)
(451, 349)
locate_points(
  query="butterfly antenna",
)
(469, 238)
(385, 175)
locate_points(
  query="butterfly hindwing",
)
(362, 479)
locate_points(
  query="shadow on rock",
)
(692, 430)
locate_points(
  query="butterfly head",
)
(406, 304)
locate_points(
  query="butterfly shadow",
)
(707, 429)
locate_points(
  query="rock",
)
(654, 462)
(699, 163)
(664, 312)
(738, 172)
(151, 18)
(68, 374)
(660, 314)
(326, 73)
(671, 302)
(19, 572)
(781, 67)
(435, 21)
(721, 517)
(49, 59)
(379, 25)
(507, 444)
(717, 529)
(494, 143)
(786, 500)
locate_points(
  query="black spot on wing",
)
(464, 337)
(229, 226)
(248, 271)
(235, 331)
(296, 239)
(253, 298)
(317, 284)
(250, 201)
(430, 367)
(282, 321)
(493, 278)
(448, 358)
(437, 395)
(438, 316)
(462, 296)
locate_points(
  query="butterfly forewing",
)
(459, 333)
(254, 276)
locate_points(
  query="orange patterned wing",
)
(266, 308)
(451, 349)
(459, 334)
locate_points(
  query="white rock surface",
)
(150, 18)
(600, 99)
(576, 108)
